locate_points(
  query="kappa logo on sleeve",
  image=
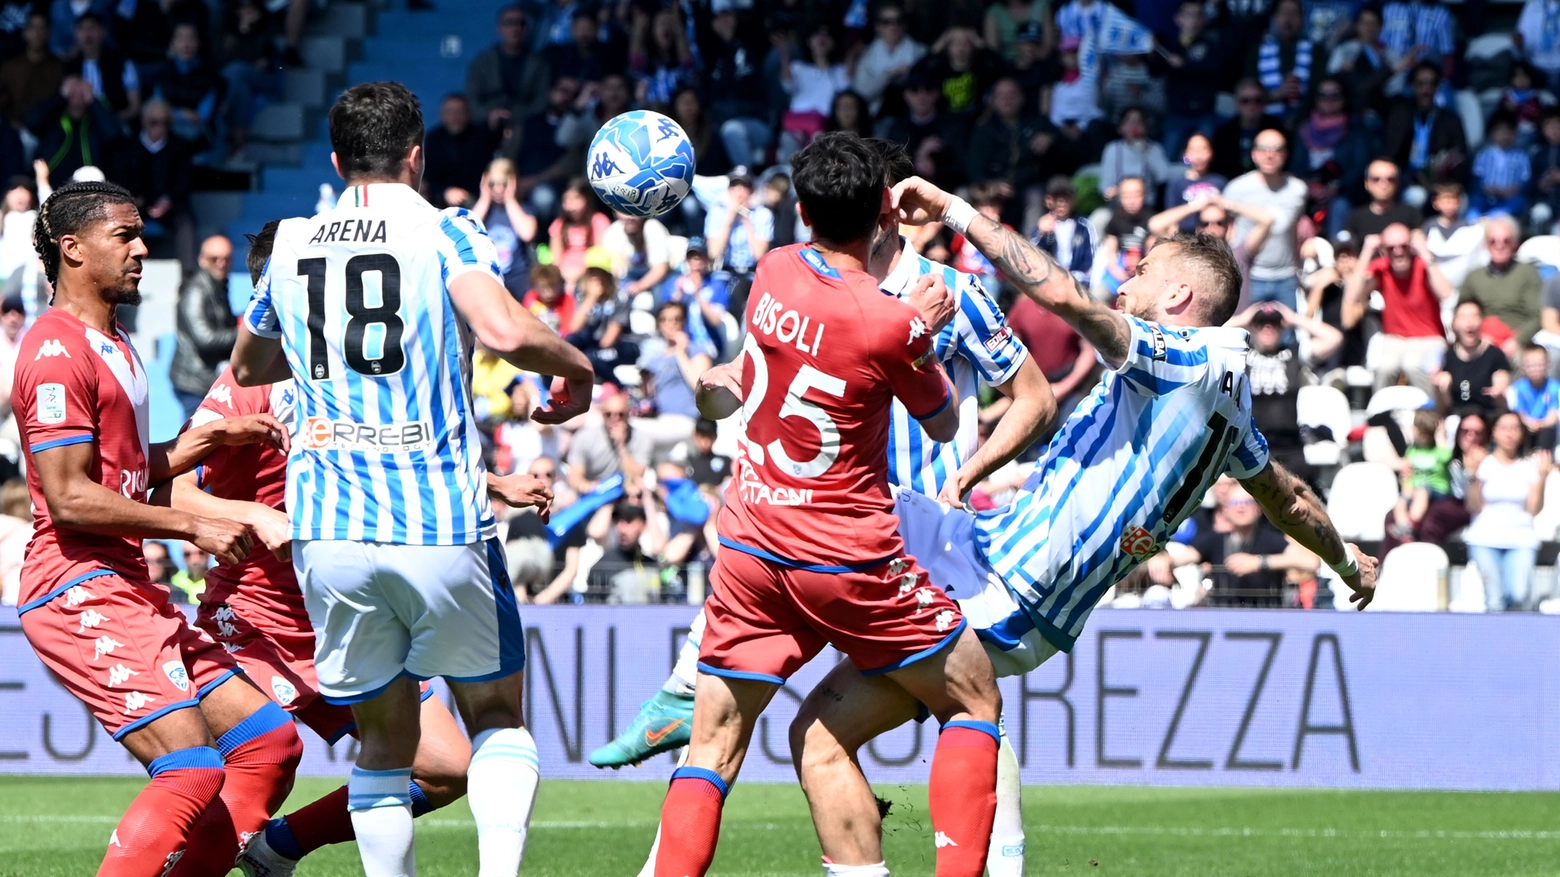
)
(917, 329)
(51, 347)
(51, 403)
(221, 393)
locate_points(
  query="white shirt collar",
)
(899, 280)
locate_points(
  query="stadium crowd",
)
(1375, 177)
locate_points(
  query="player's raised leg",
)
(665, 721)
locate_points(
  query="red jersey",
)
(824, 355)
(75, 385)
(1410, 308)
(251, 473)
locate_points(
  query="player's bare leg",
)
(260, 751)
(724, 714)
(389, 727)
(186, 769)
(504, 771)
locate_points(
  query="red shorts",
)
(123, 649)
(279, 659)
(764, 619)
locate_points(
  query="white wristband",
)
(959, 215)
(1348, 566)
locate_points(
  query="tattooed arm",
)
(1026, 267)
(1295, 509)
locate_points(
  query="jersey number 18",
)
(361, 317)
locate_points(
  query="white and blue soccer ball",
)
(640, 163)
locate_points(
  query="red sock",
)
(964, 796)
(319, 823)
(690, 823)
(261, 754)
(153, 831)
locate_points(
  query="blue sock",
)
(420, 802)
(280, 837)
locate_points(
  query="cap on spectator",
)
(1268, 316)
(1060, 187)
(705, 426)
(1071, 43)
(696, 244)
(13, 305)
(740, 176)
(1030, 32)
(628, 511)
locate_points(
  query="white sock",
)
(682, 760)
(501, 789)
(832, 870)
(381, 808)
(686, 674)
(1006, 855)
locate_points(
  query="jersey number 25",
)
(807, 378)
(371, 342)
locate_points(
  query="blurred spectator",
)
(1034, 66)
(1283, 61)
(1277, 372)
(1425, 475)
(625, 574)
(143, 29)
(72, 128)
(1510, 292)
(455, 153)
(1535, 36)
(1381, 182)
(1009, 144)
(1272, 188)
(849, 113)
(1332, 147)
(249, 67)
(963, 69)
(706, 296)
(508, 83)
(1521, 100)
(733, 86)
(65, 15)
(583, 56)
(777, 198)
(639, 253)
(1065, 358)
(1365, 64)
(737, 231)
(987, 199)
(600, 327)
(491, 380)
(934, 140)
(703, 466)
(578, 230)
(659, 58)
(1504, 493)
(1426, 140)
(541, 160)
(32, 77)
(1195, 182)
(1233, 141)
(610, 447)
(812, 83)
(206, 325)
(1074, 102)
(672, 360)
(188, 84)
(520, 443)
(16, 526)
(511, 228)
(1196, 63)
(548, 300)
(1126, 230)
(1501, 172)
(598, 104)
(1248, 562)
(1128, 83)
(1419, 31)
(159, 563)
(1536, 398)
(1324, 300)
(158, 168)
(1006, 21)
(1476, 374)
(1412, 342)
(1079, 18)
(13, 325)
(189, 583)
(708, 150)
(1068, 238)
(1449, 237)
(1446, 515)
(888, 58)
(114, 80)
(1215, 215)
(1134, 155)
(1546, 173)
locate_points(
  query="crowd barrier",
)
(1229, 697)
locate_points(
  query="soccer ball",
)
(640, 163)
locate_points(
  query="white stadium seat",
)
(1472, 116)
(1489, 45)
(1397, 398)
(1413, 578)
(1324, 406)
(1544, 248)
(1547, 521)
(1361, 496)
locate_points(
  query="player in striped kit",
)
(370, 307)
(1128, 467)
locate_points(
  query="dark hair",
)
(1373, 10)
(71, 208)
(514, 7)
(1530, 347)
(372, 127)
(863, 113)
(1345, 248)
(260, 249)
(1446, 187)
(455, 95)
(1211, 255)
(1469, 301)
(987, 194)
(677, 306)
(547, 275)
(627, 510)
(1060, 186)
(839, 182)
(1129, 110)
(1423, 66)
(1502, 118)
(897, 164)
(93, 17)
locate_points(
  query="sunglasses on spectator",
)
(547, 473)
(1207, 223)
(1270, 148)
(1470, 430)
(1395, 248)
(1502, 241)
(1386, 179)
(615, 415)
(670, 318)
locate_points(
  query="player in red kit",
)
(810, 550)
(164, 689)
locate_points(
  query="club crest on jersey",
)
(51, 347)
(176, 674)
(285, 692)
(1139, 543)
(51, 403)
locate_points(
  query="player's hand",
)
(522, 491)
(228, 541)
(930, 296)
(249, 429)
(919, 202)
(1242, 564)
(954, 490)
(570, 399)
(274, 530)
(1362, 583)
(1161, 570)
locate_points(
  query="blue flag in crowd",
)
(1120, 34)
(573, 516)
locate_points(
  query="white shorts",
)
(940, 537)
(381, 611)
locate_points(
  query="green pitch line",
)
(57, 826)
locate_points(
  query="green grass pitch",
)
(58, 825)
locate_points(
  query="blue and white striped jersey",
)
(387, 448)
(975, 346)
(1130, 464)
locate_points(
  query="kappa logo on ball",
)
(1138, 542)
(285, 692)
(176, 674)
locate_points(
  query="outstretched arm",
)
(1295, 509)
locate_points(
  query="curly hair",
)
(260, 250)
(71, 208)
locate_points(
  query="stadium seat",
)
(1324, 406)
(1398, 398)
(1547, 521)
(676, 251)
(1543, 249)
(1413, 578)
(1483, 48)
(1472, 116)
(1361, 496)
